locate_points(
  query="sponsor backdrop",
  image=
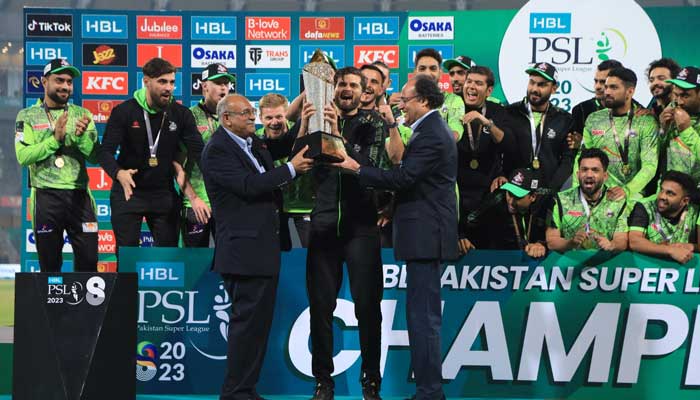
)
(266, 52)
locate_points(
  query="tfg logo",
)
(105, 83)
(258, 85)
(158, 27)
(369, 54)
(49, 25)
(213, 28)
(431, 28)
(376, 28)
(105, 26)
(267, 56)
(41, 53)
(336, 52)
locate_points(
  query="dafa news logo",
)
(575, 37)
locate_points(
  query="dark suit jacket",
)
(245, 205)
(425, 217)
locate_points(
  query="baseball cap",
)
(687, 78)
(216, 71)
(58, 65)
(462, 61)
(545, 70)
(522, 181)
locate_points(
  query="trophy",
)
(318, 84)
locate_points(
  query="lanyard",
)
(536, 140)
(474, 143)
(210, 118)
(522, 241)
(153, 146)
(624, 151)
(658, 227)
(586, 210)
(50, 117)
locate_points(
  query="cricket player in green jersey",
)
(54, 139)
(680, 125)
(299, 194)
(666, 224)
(583, 217)
(197, 220)
(630, 140)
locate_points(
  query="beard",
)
(613, 103)
(590, 190)
(160, 101)
(665, 94)
(347, 104)
(539, 101)
(54, 95)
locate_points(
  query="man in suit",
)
(425, 222)
(243, 187)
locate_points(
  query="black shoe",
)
(323, 392)
(370, 388)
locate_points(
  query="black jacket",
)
(126, 131)
(556, 160)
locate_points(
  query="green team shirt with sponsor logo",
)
(569, 216)
(643, 149)
(683, 149)
(206, 127)
(680, 232)
(451, 111)
(37, 149)
(299, 195)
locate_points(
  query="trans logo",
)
(575, 38)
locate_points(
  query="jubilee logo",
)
(158, 27)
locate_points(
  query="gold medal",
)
(474, 164)
(536, 164)
(59, 162)
(625, 169)
(153, 162)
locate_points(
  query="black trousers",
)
(195, 234)
(162, 213)
(252, 306)
(56, 210)
(324, 276)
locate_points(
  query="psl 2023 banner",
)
(578, 326)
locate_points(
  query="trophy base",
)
(323, 147)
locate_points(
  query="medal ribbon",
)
(658, 227)
(536, 140)
(153, 146)
(522, 241)
(624, 151)
(474, 143)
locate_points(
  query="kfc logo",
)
(114, 83)
(311, 28)
(100, 109)
(158, 27)
(369, 54)
(267, 28)
(170, 52)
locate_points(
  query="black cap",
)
(688, 78)
(58, 65)
(216, 71)
(462, 61)
(545, 70)
(522, 182)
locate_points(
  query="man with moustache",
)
(298, 195)
(583, 217)
(629, 139)
(243, 187)
(680, 145)
(147, 130)
(540, 129)
(373, 91)
(659, 72)
(197, 222)
(54, 139)
(344, 230)
(486, 141)
(666, 224)
(458, 68)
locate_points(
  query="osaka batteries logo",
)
(575, 38)
(146, 357)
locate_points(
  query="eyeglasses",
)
(251, 112)
(406, 99)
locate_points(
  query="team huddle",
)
(611, 175)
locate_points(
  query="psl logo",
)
(146, 357)
(222, 303)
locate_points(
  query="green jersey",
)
(452, 111)
(299, 196)
(571, 213)
(207, 124)
(600, 131)
(683, 149)
(54, 165)
(658, 229)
